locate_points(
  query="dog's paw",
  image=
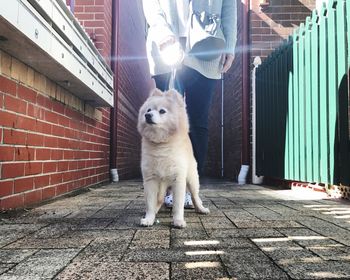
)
(179, 223)
(203, 210)
(146, 222)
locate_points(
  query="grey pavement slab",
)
(319, 270)
(44, 264)
(15, 256)
(198, 270)
(251, 264)
(116, 270)
(5, 267)
(252, 232)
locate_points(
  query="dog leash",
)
(172, 78)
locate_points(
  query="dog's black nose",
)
(148, 117)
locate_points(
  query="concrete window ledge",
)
(46, 36)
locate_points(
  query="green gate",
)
(302, 97)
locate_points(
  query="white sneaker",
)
(168, 201)
(188, 201)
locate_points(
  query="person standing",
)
(196, 78)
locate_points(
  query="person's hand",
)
(226, 60)
(167, 42)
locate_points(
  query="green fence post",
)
(323, 64)
(301, 104)
(308, 105)
(342, 156)
(332, 86)
(296, 121)
(315, 78)
(289, 118)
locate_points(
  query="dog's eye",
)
(162, 111)
(149, 110)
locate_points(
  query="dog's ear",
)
(176, 97)
(156, 92)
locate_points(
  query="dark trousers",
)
(198, 91)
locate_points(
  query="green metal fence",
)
(302, 97)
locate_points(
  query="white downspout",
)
(114, 175)
(255, 179)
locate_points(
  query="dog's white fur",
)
(167, 157)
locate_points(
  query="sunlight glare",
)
(342, 217)
(336, 212)
(316, 205)
(277, 239)
(307, 237)
(330, 209)
(325, 274)
(201, 242)
(196, 253)
(202, 265)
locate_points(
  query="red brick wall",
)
(133, 86)
(132, 70)
(46, 147)
(96, 17)
(272, 23)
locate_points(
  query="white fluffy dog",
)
(167, 156)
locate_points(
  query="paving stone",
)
(263, 213)
(252, 232)
(41, 215)
(54, 230)
(332, 253)
(198, 270)
(318, 241)
(319, 270)
(127, 221)
(44, 264)
(117, 205)
(217, 223)
(10, 233)
(209, 243)
(286, 254)
(267, 224)
(20, 228)
(189, 232)
(245, 232)
(9, 238)
(49, 243)
(5, 267)
(315, 222)
(84, 213)
(302, 232)
(94, 224)
(15, 256)
(274, 242)
(251, 264)
(171, 255)
(343, 239)
(145, 239)
(107, 214)
(214, 212)
(240, 215)
(116, 270)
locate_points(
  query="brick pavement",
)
(252, 232)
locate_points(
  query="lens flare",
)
(172, 55)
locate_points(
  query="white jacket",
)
(162, 18)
